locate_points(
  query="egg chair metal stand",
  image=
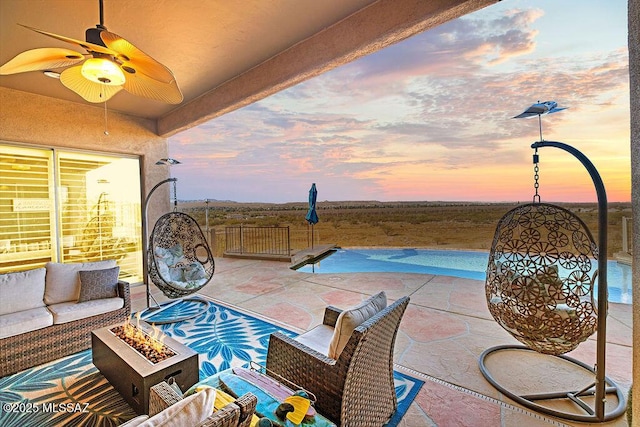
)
(179, 236)
(540, 288)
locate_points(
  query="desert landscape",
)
(436, 225)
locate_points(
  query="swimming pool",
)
(464, 264)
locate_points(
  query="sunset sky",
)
(430, 118)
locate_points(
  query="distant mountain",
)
(366, 204)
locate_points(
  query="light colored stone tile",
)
(445, 329)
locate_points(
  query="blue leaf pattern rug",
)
(71, 390)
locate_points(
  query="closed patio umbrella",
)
(312, 215)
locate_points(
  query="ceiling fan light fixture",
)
(98, 78)
(103, 71)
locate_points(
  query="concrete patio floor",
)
(444, 330)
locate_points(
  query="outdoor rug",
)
(71, 390)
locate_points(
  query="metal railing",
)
(257, 240)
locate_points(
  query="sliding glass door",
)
(27, 219)
(58, 205)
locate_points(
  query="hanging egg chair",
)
(541, 288)
(541, 278)
(542, 274)
(179, 263)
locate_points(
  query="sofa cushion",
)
(24, 321)
(317, 338)
(70, 311)
(98, 284)
(62, 282)
(350, 319)
(22, 290)
(190, 411)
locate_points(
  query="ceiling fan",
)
(110, 65)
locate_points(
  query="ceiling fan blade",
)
(46, 58)
(73, 79)
(91, 47)
(136, 59)
(141, 85)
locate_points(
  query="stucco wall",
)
(634, 93)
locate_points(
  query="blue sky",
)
(430, 118)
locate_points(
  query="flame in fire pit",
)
(150, 345)
(155, 340)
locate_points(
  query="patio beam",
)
(375, 27)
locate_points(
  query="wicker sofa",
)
(49, 312)
(347, 361)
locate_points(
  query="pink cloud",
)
(428, 118)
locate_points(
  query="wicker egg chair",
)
(540, 287)
(541, 278)
(180, 262)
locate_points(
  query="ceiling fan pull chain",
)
(106, 131)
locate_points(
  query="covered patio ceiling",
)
(225, 54)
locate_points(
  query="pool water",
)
(464, 264)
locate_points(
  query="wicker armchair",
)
(236, 414)
(357, 388)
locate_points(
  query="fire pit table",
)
(133, 371)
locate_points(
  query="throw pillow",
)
(176, 253)
(161, 253)
(350, 319)
(62, 283)
(171, 256)
(163, 269)
(222, 398)
(194, 271)
(176, 274)
(98, 284)
(164, 255)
